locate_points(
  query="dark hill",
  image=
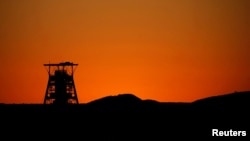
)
(126, 116)
(238, 102)
(130, 103)
(239, 98)
(121, 99)
(227, 110)
(120, 102)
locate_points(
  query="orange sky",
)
(166, 50)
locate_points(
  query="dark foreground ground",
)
(126, 117)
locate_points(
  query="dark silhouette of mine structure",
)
(61, 88)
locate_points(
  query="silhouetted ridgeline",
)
(233, 102)
(114, 114)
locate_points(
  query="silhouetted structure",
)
(61, 88)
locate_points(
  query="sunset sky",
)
(166, 50)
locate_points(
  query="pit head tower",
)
(61, 88)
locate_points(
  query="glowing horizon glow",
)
(166, 50)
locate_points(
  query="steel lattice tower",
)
(61, 88)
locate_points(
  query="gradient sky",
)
(166, 50)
